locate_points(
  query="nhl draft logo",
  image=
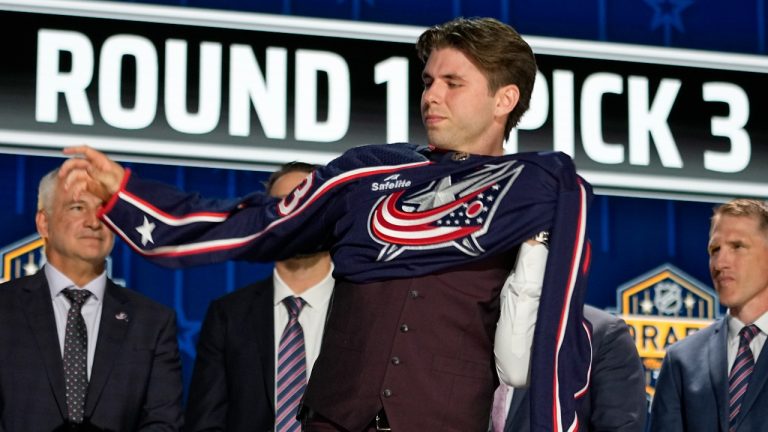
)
(450, 212)
(26, 257)
(662, 307)
(667, 297)
(22, 258)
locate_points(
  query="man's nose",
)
(432, 94)
(720, 260)
(93, 221)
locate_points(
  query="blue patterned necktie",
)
(738, 380)
(291, 369)
(76, 354)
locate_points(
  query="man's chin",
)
(304, 258)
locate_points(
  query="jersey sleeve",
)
(175, 228)
(562, 350)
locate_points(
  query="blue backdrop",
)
(629, 235)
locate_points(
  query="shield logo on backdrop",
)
(22, 258)
(661, 307)
(26, 256)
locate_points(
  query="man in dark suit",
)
(233, 383)
(113, 366)
(615, 400)
(715, 379)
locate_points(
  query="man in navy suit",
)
(615, 400)
(129, 364)
(233, 383)
(715, 379)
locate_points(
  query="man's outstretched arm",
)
(92, 171)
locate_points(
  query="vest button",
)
(413, 293)
(404, 328)
(395, 360)
(386, 393)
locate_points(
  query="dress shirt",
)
(734, 327)
(91, 310)
(312, 316)
(517, 321)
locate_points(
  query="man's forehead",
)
(67, 198)
(736, 224)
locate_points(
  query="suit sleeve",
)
(208, 403)
(618, 383)
(162, 406)
(666, 410)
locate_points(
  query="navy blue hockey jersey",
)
(400, 211)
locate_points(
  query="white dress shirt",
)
(312, 316)
(91, 310)
(517, 321)
(734, 327)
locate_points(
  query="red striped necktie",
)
(738, 380)
(291, 369)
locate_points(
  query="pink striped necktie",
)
(738, 380)
(499, 408)
(291, 369)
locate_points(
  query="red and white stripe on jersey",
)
(235, 242)
(573, 274)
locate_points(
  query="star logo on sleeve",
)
(145, 230)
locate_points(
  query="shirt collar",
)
(316, 296)
(735, 325)
(57, 282)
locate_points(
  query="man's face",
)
(286, 183)
(458, 110)
(73, 234)
(738, 261)
(280, 189)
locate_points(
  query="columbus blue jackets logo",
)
(454, 211)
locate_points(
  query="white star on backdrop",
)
(30, 268)
(146, 231)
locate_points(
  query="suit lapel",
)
(718, 370)
(38, 308)
(263, 311)
(116, 314)
(755, 387)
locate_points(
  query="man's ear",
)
(41, 221)
(506, 99)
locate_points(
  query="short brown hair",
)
(495, 48)
(744, 207)
(288, 168)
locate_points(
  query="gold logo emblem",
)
(22, 258)
(662, 307)
(26, 256)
